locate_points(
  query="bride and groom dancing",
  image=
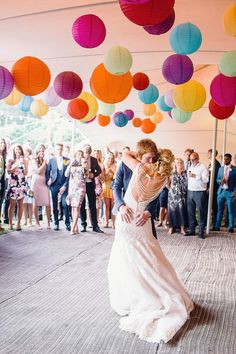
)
(144, 288)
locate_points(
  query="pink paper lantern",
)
(168, 98)
(68, 85)
(129, 113)
(51, 98)
(162, 27)
(89, 31)
(223, 90)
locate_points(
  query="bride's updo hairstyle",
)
(144, 146)
(164, 164)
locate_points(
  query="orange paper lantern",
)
(137, 122)
(31, 76)
(103, 120)
(77, 108)
(148, 126)
(110, 88)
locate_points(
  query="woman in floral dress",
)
(3, 153)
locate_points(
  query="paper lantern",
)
(149, 95)
(137, 122)
(140, 81)
(106, 109)
(51, 98)
(6, 82)
(31, 76)
(180, 116)
(185, 38)
(25, 103)
(14, 97)
(39, 108)
(190, 96)
(223, 90)
(170, 114)
(77, 108)
(118, 60)
(149, 12)
(230, 20)
(162, 105)
(177, 69)
(120, 119)
(103, 120)
(92, 103)
(89, 121)
(168, 98)
(149, 109)
(227, 65)
(129, 113)
(148, 126)
(89, 31)
(220, 112)
(68, 85)
(157, 118)
(110, 88)
(162, 27)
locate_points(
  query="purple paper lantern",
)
(6, 82)
(168, 98)
(223, 90)
(68, 85)
(129, 113)
(89, 31)
(51, 98)
(163, 26)
(177, 69)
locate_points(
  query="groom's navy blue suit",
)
(58, 180)
(122, 179)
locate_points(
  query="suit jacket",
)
(122, 179)
(94, 168)
(52, 171)
(217, 166)
(231, 179)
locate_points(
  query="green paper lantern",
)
(118, 60)
(180, 116)
(227, 65)
(106, 109)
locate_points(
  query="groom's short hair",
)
(146, 145)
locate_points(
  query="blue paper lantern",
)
(120, 119)
(185, 38)
(25, 103)
(162, 105)
(149, 95)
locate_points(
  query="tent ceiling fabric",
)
(43, 29)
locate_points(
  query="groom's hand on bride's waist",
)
(127, 214)
(142, 218)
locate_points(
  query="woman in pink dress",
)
(39, 187)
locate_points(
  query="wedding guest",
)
(215, 186)
(187, 162)
(39, 187)
(177, 198)
(6, 199)
(28, 199)
(17, 169)
(77, 171)
(163, 199)
(3, 154)
(110, 169)
(98, 183)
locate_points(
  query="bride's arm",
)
(129, 159)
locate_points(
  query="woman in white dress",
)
(143, 285)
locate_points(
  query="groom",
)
(123, 176)
(58, 184)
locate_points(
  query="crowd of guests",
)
(86, 185)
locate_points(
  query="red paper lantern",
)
(149, 12)
(137, 122)
(77, 108)
(220, 112)
(140, 81)
(68, 85)
(103, 120)
(148, 126)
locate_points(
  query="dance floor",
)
(54, 295)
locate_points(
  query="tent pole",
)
(73, 137)
(211, 187)
(224, 140)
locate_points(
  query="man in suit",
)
(122, 179)
(58, 184)
(226, 192)
(94, 171)
(215, 187)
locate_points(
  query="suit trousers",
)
(90, 191)
(196, 200)
(55, 192)
(222, 198)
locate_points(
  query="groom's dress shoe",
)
(84, 229)
(97, 229)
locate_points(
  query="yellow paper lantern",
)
(189, 96)
(14, 97)
(229, 20)
(118, 60)
(92, 103)
(157, 117)
(149, 109)
(39, 108)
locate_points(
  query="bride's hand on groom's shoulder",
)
(126, 213)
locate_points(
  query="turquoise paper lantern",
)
(25, 103)
(227, 65)
(180, 116)
(162, 105)
(149, 95)
(185, 38)
(118, 60)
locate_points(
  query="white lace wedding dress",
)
(143, 285)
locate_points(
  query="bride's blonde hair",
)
(164, 163)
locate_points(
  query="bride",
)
(143, 285)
